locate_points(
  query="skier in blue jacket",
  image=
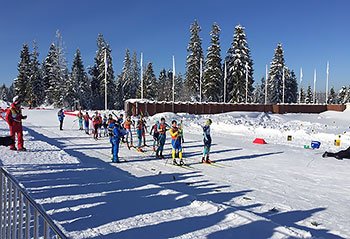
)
(115, 140)
(207, 142)
(60, 115)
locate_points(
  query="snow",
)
(4, 104)
(254, 191)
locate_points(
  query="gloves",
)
(24, 117)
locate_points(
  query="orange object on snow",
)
(259, 141)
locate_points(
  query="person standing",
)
(127, 125)
(144, 130)
(155, 135)
(176, 142)
(207, 142)
(14, 119)
(87, 119)
(139, 130)
(162, 128)
(114, 140)
(80, 119)
(60, 115)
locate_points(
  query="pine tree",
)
(332, 97)
(275, 81)
(150, 83)
(23, 77)
(179, 88)
(80, 82)
(309, 96)
(291, 88)
(35, 87)
(135, 76)
(238, 61)
(258, 94)
(212, 76)
(62, 86)
(52, 76)
(125, 79)
(302, 95)
(3, 92)
(194, 58)
(168, 87)
(342, 95)
(161, 85)
(263, 90)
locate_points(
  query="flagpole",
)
(173, 78)
(315, 87)
(246, 83)
(301, 79)
(327, 82)
(225, 78)
(106, 67)
(284, 84)
(200, 80)
(141, 76)
(266, 85)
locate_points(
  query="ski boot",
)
(14, 148)
(131, 145)
(203, 160)
(325, 155)
(161, 156)
(181, 162)
(157, 155)
(175, 163)
(127, 144)
(140, 149)
(208, 160)
(22, 149)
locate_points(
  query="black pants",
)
(340, 154)
(61, 124)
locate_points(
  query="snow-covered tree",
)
(212, 76)
(3, 92)
(125, 84)
(162, 78)
(332, 97)
(309, 96)
(149, 83)
(343, 95)
(80, 82)
(179, 88)
(194, 58)
(291, 88)
(302, 95)
(24, 71)
(51, 75)
(275, 81)
(238, 62)
(258, 95)
(35, 88)
(135, 76)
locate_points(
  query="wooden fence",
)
(152, 107)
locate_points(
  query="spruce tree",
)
(62, 82)
(3, 92)
(23, 77)
(332, 97)
(258, 94)
(212, 76)
(291, 88)
(80, 82)
(179, 87)
(161, 85)
(309, 96)
(194, 58)
(135, 76)
(275, 80)
(342, 95)
(238, 60)
(35, 87)
(149, 83)
(168, 87)
(302, 95)
(125, 79)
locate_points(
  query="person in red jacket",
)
(14, 119)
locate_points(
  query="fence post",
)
(14, 213)
(9, 209)
(1, 191)
(20, 221)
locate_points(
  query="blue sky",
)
(311, 31)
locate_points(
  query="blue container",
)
(315, 144)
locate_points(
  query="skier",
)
(144, 130)
(114, 139)
(176, 142)
(105, 125)
(80, 119)
(96, 123)
(155, 135)
(339, 155)
(87, 118)
(127, 125)
(61, 115)
(121, 123)
(162, 128)
(181, 132)
(14, 119)
(139, 129)
(207, 142)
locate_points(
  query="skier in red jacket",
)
(14, 119)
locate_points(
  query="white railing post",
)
(36, 224)
(4, 211)
(46, 230)
(27, 220)
(9, 198)
(1, 196)
(20, 221)
(14, 212)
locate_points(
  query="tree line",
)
(52, 83)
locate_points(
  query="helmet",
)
(16, 100)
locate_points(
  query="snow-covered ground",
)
(277, 190)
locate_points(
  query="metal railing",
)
(20, 216)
